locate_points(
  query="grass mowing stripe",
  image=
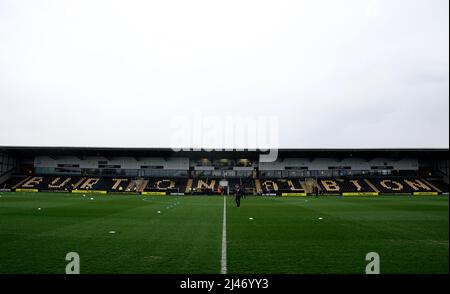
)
(223, 263)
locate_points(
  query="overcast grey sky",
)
(337, 74)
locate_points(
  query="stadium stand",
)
(277, 186)
(438, 185)
(174, 185)
(212, 185)
(59, 183)
(339, 185)
(402, 185)
(200, 186)
(385, 185)
(160, 172)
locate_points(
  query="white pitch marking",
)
(223, 263)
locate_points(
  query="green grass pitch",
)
(285, 235)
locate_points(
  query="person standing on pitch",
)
(238, 192)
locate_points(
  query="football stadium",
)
(224, 146)
(158, 211)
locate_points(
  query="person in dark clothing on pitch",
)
(238, 194)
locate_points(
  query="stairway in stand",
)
(188, 186)
(258, 186)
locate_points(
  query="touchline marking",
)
(223, 263)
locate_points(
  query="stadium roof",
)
(21, 151)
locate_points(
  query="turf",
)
(285, 236)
